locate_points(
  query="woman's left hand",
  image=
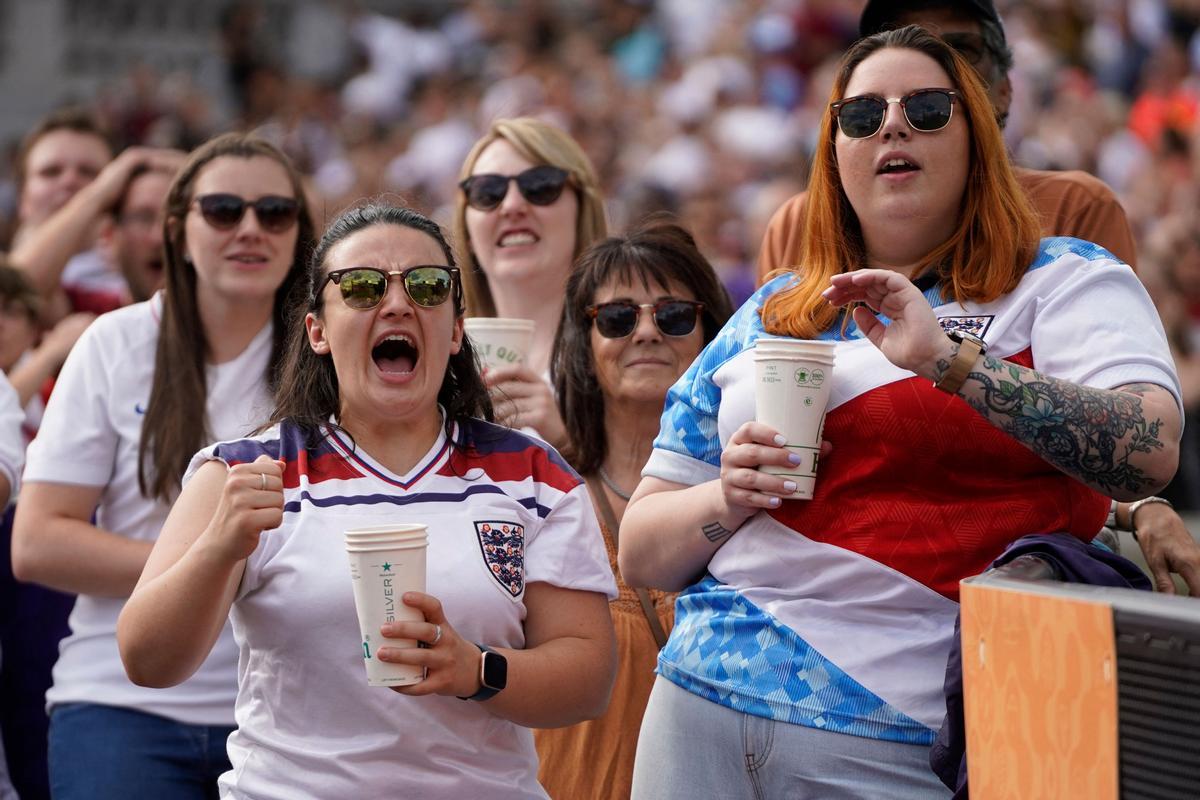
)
(523, 400)
(913, 340)
(451, 662)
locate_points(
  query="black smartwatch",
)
(493, 674)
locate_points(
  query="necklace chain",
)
(613, 486)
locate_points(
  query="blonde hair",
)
(540, 143)
(998, 230)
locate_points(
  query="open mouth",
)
(897, 165)
(155, 266)
(517, 238)
(395, 354)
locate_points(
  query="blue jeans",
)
(108, 753)
(690, 747)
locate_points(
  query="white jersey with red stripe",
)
(503, 510)
(837, 612)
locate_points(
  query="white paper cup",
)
(500, 342)
(793, 378)
(385, 562)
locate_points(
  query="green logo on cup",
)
(810, 377)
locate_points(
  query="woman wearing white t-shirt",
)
(143, 389)
(378, 420)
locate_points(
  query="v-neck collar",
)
(433, 458)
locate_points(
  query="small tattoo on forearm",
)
(716, 532)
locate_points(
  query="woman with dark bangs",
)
(381, 416)
(983, 390)
(638, 310)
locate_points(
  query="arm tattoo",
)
(716, 532)
(1088, 433)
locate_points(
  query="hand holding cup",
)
(747, 490)
(451, 662)
(522, 399)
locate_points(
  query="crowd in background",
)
(705, 109)
(701, 107)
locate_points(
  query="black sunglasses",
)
(927, 110)
(364, 287)
(618, 319)
(224, 211)
(539, 185)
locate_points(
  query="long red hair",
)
(998, 229)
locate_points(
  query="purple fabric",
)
(1075, 562)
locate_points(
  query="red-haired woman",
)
(984, 389)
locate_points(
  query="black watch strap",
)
(493, 674)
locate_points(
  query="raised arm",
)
(44, 253)
(1122, 442)
(176, 612)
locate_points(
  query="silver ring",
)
(263, 477)
(437, 635)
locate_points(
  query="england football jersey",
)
(837, 612)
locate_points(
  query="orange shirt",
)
(1069, 203)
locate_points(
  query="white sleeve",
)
(1100, 328)
(12, 444)
(77, 443)
(568, 548)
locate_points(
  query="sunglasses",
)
(539, 185)
(927, 110)
(224, 211)
(618, 319)
(364, 287)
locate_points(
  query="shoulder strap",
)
(600, 499)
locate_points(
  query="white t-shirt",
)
(501, 515)
(12, 443)
(89, 437)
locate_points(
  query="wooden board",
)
(1039, 677)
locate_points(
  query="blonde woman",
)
(529, 204)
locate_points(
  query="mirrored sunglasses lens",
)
(363, 288)
(485, 192)
(542, 185)
(675, 319)
(928, 111)
(616, 321)
(861, 118)
(222, 210)
(428, 286)
(277, 214)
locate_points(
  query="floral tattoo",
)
(1089, 433)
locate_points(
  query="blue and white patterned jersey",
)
(837, 612)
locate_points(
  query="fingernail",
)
(388, 629)
(789, 486)
(780, 440)
(794, 458)
(774, 502)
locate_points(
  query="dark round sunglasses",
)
(224, 211)
(927, 110)
(618, 319)
(539, 185)
(365, 287)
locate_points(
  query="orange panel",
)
(1039, 676)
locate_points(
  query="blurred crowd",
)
(704, 108)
